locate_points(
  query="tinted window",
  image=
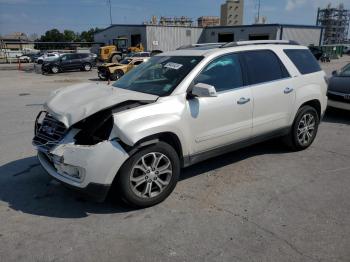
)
(303, 60)
(263, 66)
(345, 71)
(138, 62)
(224, 73)
(67, 57)
(83, 56)
(75, 56)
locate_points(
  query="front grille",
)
(48, 132)
(339, 97)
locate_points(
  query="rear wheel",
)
(149, 176)
(116, 58)
(304, 129)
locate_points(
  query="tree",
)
(88, 36)
(69, 36)
(53, 35)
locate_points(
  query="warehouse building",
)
(167, 38)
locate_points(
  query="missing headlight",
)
(94, 129)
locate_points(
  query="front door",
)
(66, 62)
(227, 118)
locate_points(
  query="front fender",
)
(138, 129)
(139, 123)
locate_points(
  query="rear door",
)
(272, 89)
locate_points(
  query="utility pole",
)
(110, 11)
(258, 10)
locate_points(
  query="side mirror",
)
(204, 90)
(334, 73)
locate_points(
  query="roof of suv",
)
(210, 48)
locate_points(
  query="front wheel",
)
(304, 129)
(149, 176)
(55, 69)
(87, 67)
(116, 75)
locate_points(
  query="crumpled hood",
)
(75, 103)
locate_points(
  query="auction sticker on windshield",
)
(175, 66)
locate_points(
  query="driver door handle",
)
(243, 101)
(288, 90)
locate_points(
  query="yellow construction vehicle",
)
(116, 52)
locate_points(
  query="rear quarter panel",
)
(310, 87)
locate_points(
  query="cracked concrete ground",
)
(262, 203)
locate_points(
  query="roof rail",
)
(201, 45)
(260, 42)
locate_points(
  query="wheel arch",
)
(168, 137)
(315, 103)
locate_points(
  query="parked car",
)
(316, 51)
(27, 58)
(24, 59)
(69, 62)
(178, 109)
(339, 89)
(140, 54)
(114, 71)
(47, 57)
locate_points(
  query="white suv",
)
(177, 109)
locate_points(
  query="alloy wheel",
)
(87, 67)
(306, 129)
(54, 69)
(151, 175)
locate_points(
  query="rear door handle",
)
(288, 90)
(243, 101)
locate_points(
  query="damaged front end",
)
(84, 155)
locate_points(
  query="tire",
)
(87, 67)
(102, 76)
(304, 129)
(116, 58)
(116, 75)
(55, 69)
(136, 171)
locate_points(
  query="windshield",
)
(160, 75)
(345, 71)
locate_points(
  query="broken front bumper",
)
(90, 169)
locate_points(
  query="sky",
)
(38, 16)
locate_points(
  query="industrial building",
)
(207, 21)
(167, 38)
(17, 41)
(232, 13)
(335, 21)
